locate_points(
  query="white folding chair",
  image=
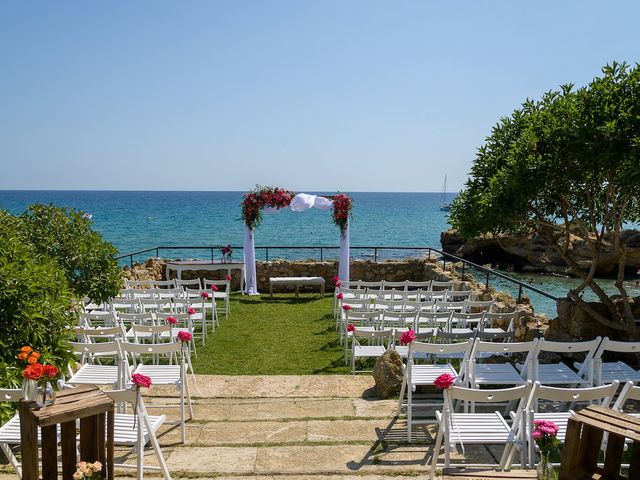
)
(223, 293)
(172, 374)
(606, 372)
(369, 344)
(479, 428)
(629, 392)
(425, 374)
(90, 373)
(363, 320)
(491, 374)
(137, 429)
(569, 397)
(499, 322)
(195, 283)
(560, 373)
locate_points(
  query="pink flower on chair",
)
(335, 279)
(184, 336)
(172, 320)
(407, 337)
(340, 296)
(347, 307)
(351, 327)
(228, 278)
(141, 380)
(546, 427)
(214, 288)
(338, 284)
(444, 381)
(191, 310)
(204, 294)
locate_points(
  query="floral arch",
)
(272, 199)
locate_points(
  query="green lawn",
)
(279, 336)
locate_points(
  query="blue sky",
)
(311, 95)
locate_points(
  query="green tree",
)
(565, 167)
(67, 237)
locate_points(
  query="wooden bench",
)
(479, 474)
(296, 282)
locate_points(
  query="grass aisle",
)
(279, 336)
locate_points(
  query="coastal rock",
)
(529, 253)
(388, 373)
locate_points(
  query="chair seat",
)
(558, 374)
(426, 374)
(95, 375)
(477, 428)
(616, 371)
(368, 350)
(161, 374)
(496, 374)
(126, 434)
(494, 330)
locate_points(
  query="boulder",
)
(388, 373)
(529, 253)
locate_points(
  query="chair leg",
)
(188, 394)
(183, 432)
(409, 412)
(402, 389)
(139, 449)
(436, 453)
(156, 447)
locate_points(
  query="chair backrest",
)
(483, 395)
(10, 394)
(196, 292)
(130, 304)
(453, 337)
(478, 306)
(351, 292)
(507, 336)
(393, 318)
(418, 285)
(470, 320)
(182, 318)
(139, 318)
(603, 394)
(137, 283)
(436, 286)
(362, 319)
(152, 304)
(195, 283)
(570, 347)
(434, 319)
(387, 285)
(440, 348)
(150, 348)
(629, 392)
(369, 285)
(458, 295)
(397, 305)
(448, 306)
(505, 348)
(165, 284)
(391, 294)
(150, 328)
(608, 345)
(102, 318)
(87, 349)
(223, 285)
(86, 334)
(386, 334)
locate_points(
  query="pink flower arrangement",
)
(342, 205)
(351, 327)
(407, 337)
(261, 197)
(184, 336)
(191, 310)
(444, 381)
(340, 296)
(347, 307)
(214, 287)
(172, 320)
(141, 380)
(545, 435)
(546, 427)
(204, 295)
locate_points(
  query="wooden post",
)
(29, 442)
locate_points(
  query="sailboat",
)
(445, 206)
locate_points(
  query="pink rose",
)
(335, 279)
(347, 307)
(141, 380)
(338, 284)
(350, 327)
(340, 296)
(214, 288)
(228, 278)
(444, 381)
(172, 320)
(191, 310)
(537, 434)
(204, 295)
(546, 427)
(184, 336)
(407, 337)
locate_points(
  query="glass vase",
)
(29, 389)
(544, 470)
(48, 395)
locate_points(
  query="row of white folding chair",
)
(605, 372)
(514, 431)
(128, 359)
(134, 430)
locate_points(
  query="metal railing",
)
(444, 257)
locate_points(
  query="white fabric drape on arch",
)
(299, 203)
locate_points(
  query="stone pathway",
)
(267, 427)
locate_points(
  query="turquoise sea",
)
(137, 220)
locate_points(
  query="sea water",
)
(135, 221)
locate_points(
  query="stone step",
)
(253, 409)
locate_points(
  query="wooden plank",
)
(29, 442)
(570, 450)
(590, 443)
(110, 434)
(634, 465)
(483, 474)
(88, 408)
(101, 438)
(613, 456)
(89, 438)
(588, 418)
(50, 452)
(68, 446)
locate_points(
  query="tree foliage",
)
(565, 167)
(67, 237)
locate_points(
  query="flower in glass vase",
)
(545, 435)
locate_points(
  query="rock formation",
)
(388, 373)
(528, 253)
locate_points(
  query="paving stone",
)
(213, 460)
